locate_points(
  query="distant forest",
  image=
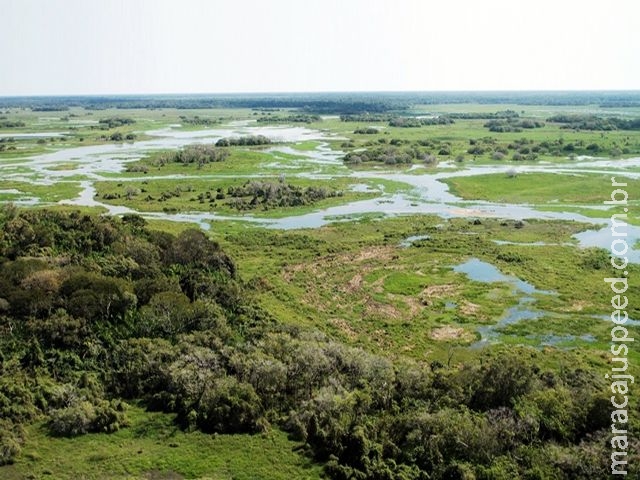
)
(318, 103)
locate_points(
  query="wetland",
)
(308, 269)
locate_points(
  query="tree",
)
(167, 314)
(229, 407)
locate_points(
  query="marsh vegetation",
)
(441, 315)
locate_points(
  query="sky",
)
(66, 47)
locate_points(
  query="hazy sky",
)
(164, 46)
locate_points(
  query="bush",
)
(109, 416)
(11, 438)
(84, 417)
(16, 400)
(72, 421)
(229, 407)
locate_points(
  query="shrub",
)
(229, 407)
(11, 438)
(109, 416)
(84, 417)
(72, 421)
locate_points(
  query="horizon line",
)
(320, 92)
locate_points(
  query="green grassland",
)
(152, 447)
(199, 194)
(548, 191)
(78, 123)
(241, 161)
(81, 127)
(355, 281)
(534, 111)
(537, 188)
(46, 193)
(457, 136)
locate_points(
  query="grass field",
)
(152, 447)
(355, 281)
(190, 195)
(539, 188)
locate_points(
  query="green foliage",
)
(512, 125)
(502, 380)
(267, 195)
(229, 406)
(200, 155)
(409, 122)
(83, 417)
(246, 141)
(17, 402)
(73, 420)
(114, 122)
(11, 439)
(12, 124)
(389, 155)
(198, 120)
(366, 131)
(293, 118)
(114, 311)
(593, 122)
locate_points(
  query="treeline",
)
(512, 125)
(4, 123)
(50, 108)
(365, 117)
(73, 288)
(312, 103)
(293, 118)
(399, 121)
(524, 149)
(390, 155)
(502, 114)
(7, 143)
(114, 122)
(366, 131)
(413, 122)
(119, 137)
(402, 122)
(98, 311)
(266, 195)
(199, 154)
(321, 103)
(592, 122)
(397, 151)
(198, 120)
(246, 141)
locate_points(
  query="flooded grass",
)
(383, 276)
